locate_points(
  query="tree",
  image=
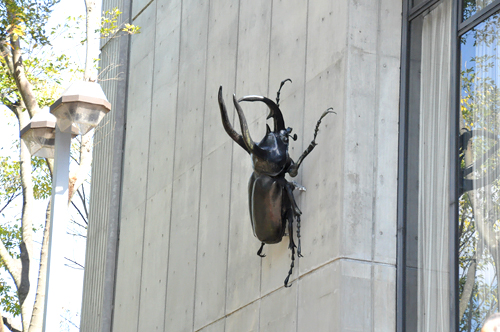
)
(30, 79)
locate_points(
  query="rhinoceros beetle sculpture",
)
(270, 196)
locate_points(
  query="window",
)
(479, 204)
(449, 192)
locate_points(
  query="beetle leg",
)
(260, 250)
(296, 211)
(289, 190)
(299, 254)
(291, 246)
(290, 271)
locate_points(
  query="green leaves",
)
(42, 180)
(8, 299)
(110, 25)
(10, 180)
(25, 19)
(10, 235)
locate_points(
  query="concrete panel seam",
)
(173, 160)
(347, 259)
(302, 144)
(201, 169)
(231, 172)
(375, 162)
(147, 169)
(344, 122)
(268, 93)
(142, 10)
(269, 59)
(147, 175)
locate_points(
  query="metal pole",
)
(54, 291)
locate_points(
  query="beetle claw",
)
(259, 253)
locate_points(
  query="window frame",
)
(459, 28)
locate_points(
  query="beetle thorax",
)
(275, 159)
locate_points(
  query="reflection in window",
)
(470, 7)
(479, 208)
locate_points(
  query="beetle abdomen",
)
(266, 197)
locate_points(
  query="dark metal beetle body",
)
(271, 202)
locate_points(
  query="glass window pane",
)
(428, 172)
(470, 7)
(479, 204)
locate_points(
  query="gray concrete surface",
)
(187, 255)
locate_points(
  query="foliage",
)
(25, 19)
(8, 300)
(110, 25)
(10, 180)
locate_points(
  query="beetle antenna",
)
(289, 134)
(279, 91)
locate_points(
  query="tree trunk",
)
(468, 287)
(39, 306)
(25, 292)
(92, 50)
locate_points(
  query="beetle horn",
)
(274, 111)
(227, 124)
(251, 145)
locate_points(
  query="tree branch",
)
(11, 198)
(84, 201)
(22, 83)
(79, 176)
(79, 266)
(39, 306)
(468, 287)
(81, 215)
(6, 54)
(9, 324)
(13, 265)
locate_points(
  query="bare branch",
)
(10, 325)
(79, 176)
(80, 213)
(11, 198)
(69, 321)
(83, 198)
(79, 266)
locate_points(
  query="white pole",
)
(54, 291)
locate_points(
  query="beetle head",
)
(270, 155)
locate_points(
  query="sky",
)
(9, 132)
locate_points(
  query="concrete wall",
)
(102, 233)
(187, 255)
